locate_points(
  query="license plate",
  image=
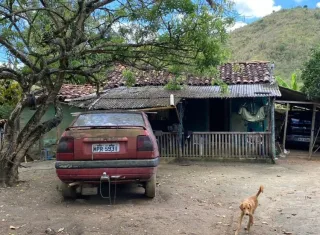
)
(304, 139)
(105, 148)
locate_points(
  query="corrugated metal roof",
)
(133, 103)
(155, 96)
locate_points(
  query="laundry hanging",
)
(258, 117)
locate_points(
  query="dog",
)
(248, 207)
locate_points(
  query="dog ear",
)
(241, 207)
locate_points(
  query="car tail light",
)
(65, 150)
(144, 143)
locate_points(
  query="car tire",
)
(68, 192)
(150, 187)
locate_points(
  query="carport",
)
(295, 99)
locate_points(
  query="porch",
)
(213, 128)
(215, 145)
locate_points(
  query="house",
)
(49, 140)
(200, 119)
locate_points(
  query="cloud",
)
(236, 25)
(318, 5)
(255, 8)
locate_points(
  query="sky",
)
(250, 11)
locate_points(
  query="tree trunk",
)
(6, 164)
(16, 143)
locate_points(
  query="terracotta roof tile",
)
(231, 73)
(71, 91)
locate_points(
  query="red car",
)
(107, 148)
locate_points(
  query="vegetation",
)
(311, 76)
(57, 41)
(129, 77)
(294, 84)
(175, 83)
(224, 89)
(10, 94)
(285, 38)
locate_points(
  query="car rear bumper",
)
(118, 170)
(133, 163)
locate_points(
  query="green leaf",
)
(282, 82)
(294, 82)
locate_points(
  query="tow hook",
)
(106, 178)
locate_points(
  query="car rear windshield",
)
(110, 119)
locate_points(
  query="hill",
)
(284, 37)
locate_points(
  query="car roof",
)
(110, 111)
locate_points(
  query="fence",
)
(217, 145)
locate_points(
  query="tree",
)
(311, 75)
(51, 42)
(293, 85)
(10, 94)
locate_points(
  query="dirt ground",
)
(200, 198)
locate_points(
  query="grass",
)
(285, 38)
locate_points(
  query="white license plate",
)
(106, 148)
(304, 139)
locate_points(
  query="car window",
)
(110, 119)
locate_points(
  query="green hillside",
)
(285, 37)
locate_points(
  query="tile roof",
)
(155, 96)
(70, 91)
(231, 73)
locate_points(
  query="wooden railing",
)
(217, 145)
(168, 144)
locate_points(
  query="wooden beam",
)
(312, 130)
(154, 109)
(285, 127)
(273, 136)
(296, 102)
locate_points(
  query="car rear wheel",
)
(68, 192)
(151, 187)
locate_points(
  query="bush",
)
(311, 75)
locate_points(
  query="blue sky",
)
(250, 10)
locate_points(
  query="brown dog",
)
(248, 207)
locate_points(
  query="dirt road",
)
(201, 198)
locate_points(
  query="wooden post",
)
(285, 127)
(312, 130)
(180, 134)
(273, 136)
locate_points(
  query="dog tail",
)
(260, 190)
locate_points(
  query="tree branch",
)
(18, 54)
(95, 4)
